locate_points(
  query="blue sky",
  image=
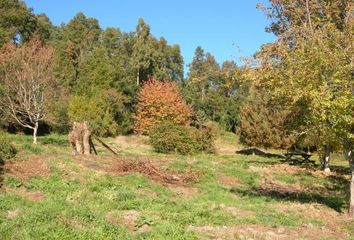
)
(228, 29)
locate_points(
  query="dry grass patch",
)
(36, 165)
(237, 212)
(146, 167)
(136, 141)
(315, 212)
(228, 181)
(120, 166)
(33, 196)
(266, 233)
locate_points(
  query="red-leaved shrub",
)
(160, 102)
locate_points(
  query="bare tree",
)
(25, 77)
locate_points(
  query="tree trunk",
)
(326, 158)
(351, 164)
(35, 130)
(203, 94)
(138, 78)
(351, 201)
(78, 146)
(309, 16)
(86, 139)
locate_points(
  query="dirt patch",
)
(266, 233)
(113, 218)
(229, 181)
(24, 170)
(128, 219)
(33, 196)
(183, 191)
(143, 228)
(11, 214)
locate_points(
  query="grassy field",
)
(48, 194)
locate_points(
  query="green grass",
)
(82, 207)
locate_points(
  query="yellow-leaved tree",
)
(311, 65)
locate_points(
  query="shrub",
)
(181, 139)
(99, 109)
(7, 150)
(160, 102)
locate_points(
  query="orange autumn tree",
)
(160, 102)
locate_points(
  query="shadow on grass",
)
(256, 151)
(54, 141)
(341, 170)
(335, 196)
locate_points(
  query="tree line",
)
(98, 72)
(295, 91)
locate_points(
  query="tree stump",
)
(80, 138)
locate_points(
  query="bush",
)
(160, 102)
(100, 109)
(7, 150)
(181, 139)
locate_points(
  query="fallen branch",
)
(106, 146)
(93, 146)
